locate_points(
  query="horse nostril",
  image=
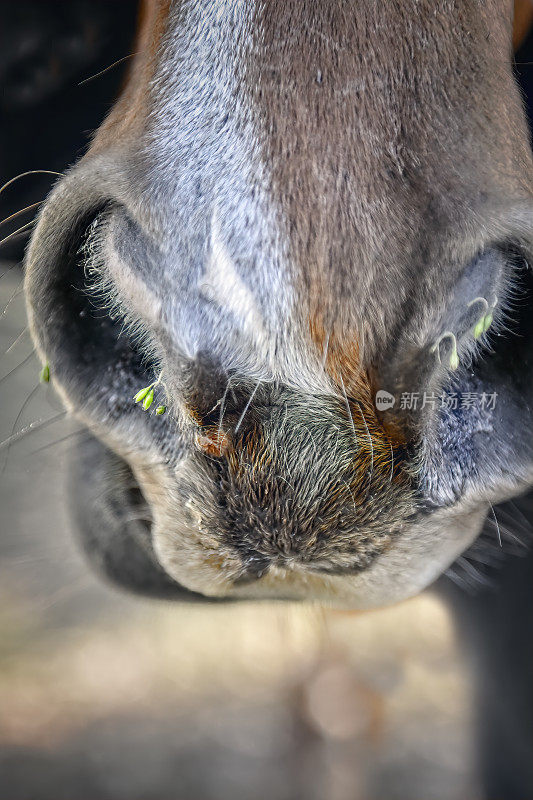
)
(98, 367)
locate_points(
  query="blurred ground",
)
(103, 695)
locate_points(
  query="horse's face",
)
(291, 207)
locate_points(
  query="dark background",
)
(50, 104)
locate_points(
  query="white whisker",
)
(25, 404)
(34, 426)
(17, 291)
(59, 441)
(17, 340)
(497, 525)
(222, 409)
(247, 406)
(9, 269)
(11, 371)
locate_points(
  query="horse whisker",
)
(22, 210)
(103, 71)
(9, 269)
(37, 425)
(17, 340)
(15, 233)
(17, 291)
(59, 441)
(247, 406)
(222, 409)
(11, 371)
(17, 418)
(31, 172)
(497, 525)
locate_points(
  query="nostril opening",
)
(91, 356)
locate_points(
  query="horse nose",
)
(96, 366)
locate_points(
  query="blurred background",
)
(103, 695)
